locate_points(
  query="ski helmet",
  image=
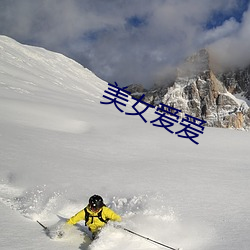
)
(95, 202)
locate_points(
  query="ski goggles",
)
(94, 208)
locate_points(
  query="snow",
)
(59, 146)
(242, 99)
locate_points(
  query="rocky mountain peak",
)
(197, 64)
(201, 93)
(237, 81)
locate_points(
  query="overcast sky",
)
(131, 41)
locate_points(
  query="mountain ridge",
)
(200, 91)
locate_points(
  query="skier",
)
(95, 214)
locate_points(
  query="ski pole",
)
(45, 228)
(146, 238)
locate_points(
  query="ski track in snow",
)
(42, 116)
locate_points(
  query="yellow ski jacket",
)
(94, 223)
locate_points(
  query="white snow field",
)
(59, 146)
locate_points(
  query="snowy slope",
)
(59, 145)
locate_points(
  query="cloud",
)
(125, 41)
(233, 49)
(228, 28)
